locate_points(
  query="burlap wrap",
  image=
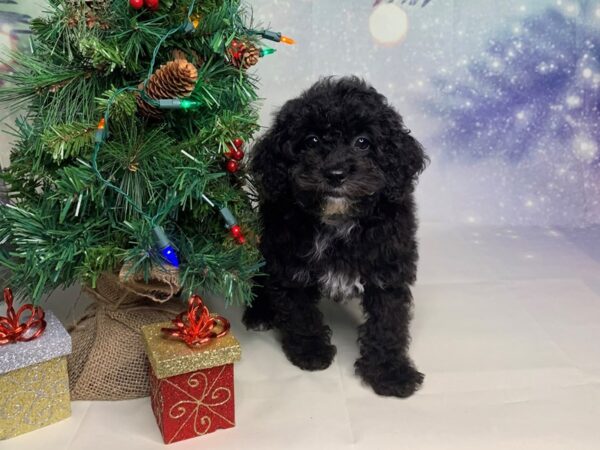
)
(108, 360)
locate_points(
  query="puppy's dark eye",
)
(362, 143)
(311, 141)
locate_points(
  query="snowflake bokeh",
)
(537, 82)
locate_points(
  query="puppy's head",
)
(336, 148)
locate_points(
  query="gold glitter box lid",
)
(170, 357)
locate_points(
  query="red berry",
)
(240, 240)
(238, 155)
(136, 4)
(232, 166)
(152, 4)
(230, 153)
(238, 143)
(236, 231)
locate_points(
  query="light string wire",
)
(112, 99)
(105, 130)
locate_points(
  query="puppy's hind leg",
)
(259, 316)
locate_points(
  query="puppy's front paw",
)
(258, 318)
(391, 379)
(312, 353)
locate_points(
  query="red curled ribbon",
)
(195, 327)
(11, 327)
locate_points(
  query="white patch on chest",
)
(341, 287)
(325, 238)
(337, 285)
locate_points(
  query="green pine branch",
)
(68, 140)
(67, 222)
(123, 105)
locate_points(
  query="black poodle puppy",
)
(335, 176)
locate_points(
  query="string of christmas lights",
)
(162, 243)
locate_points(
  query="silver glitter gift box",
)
(34, 384)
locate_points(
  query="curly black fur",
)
(339, 221)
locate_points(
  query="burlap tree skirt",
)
(108, 360)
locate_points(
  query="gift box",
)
(192, 388)
(34, 385)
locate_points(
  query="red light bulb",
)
(236, 231)
(241, 240)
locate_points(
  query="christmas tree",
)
(130, 147)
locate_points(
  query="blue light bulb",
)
(166, 248)
(169, 254)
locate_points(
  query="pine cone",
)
(250, 56)
(178, 54)
(90, 20)
(72, 21)
(244, 56)
(192, 56)
(175, 79)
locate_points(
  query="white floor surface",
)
(506, 329)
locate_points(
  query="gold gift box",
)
(34, 383)
(171, 357)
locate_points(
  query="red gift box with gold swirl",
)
(192, 388)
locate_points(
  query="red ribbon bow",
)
(195, 327)
(11, 327)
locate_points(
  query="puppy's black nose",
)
(335, 177)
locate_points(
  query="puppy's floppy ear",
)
(269, 164)
(403, 156)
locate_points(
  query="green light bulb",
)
(267, 51)
(189, 104)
